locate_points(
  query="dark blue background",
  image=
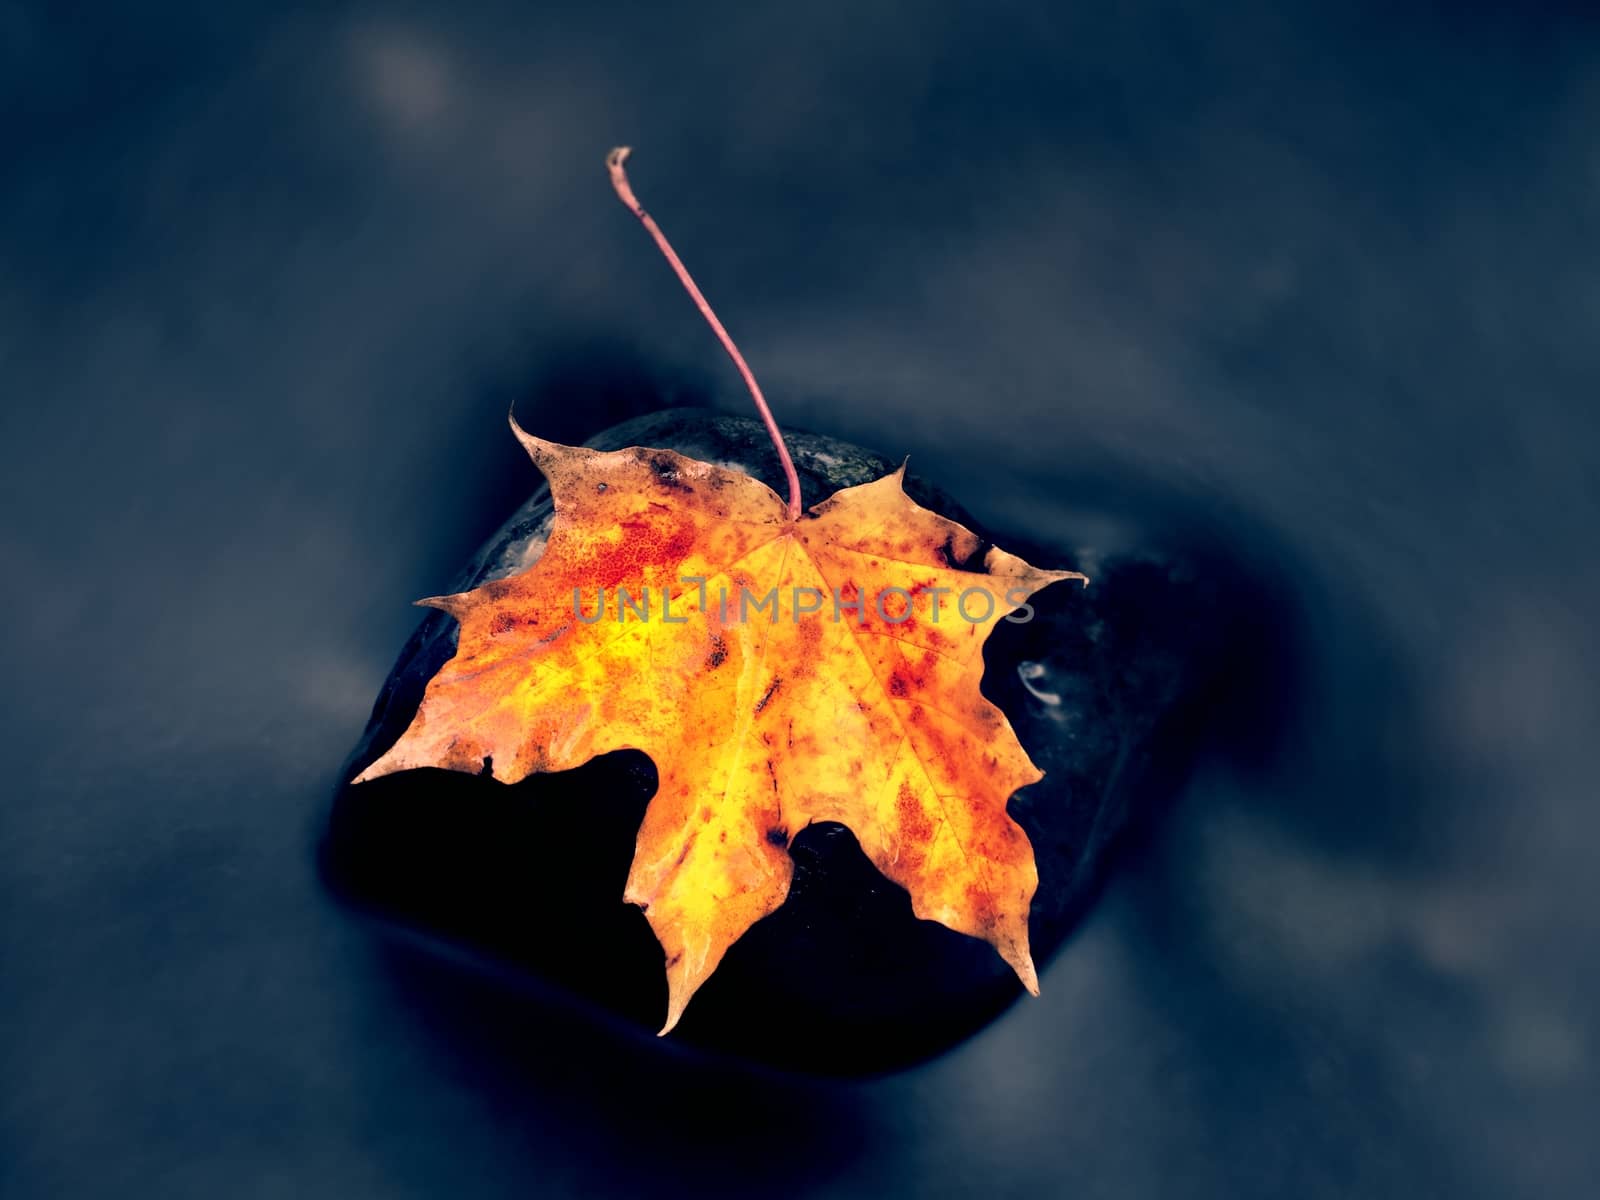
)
(1323, 277)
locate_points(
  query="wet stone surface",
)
(1108, 689)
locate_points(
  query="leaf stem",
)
(619, 181)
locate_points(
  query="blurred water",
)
(1320, 283)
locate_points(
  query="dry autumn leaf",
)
(777, 671)
(779, 667)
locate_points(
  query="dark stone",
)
(1106, 688)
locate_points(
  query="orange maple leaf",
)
(778, 671)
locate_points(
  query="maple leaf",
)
(779, 670)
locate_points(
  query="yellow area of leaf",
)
(777, 672)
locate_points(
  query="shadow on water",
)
(1275, 901)
(641, 1112)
